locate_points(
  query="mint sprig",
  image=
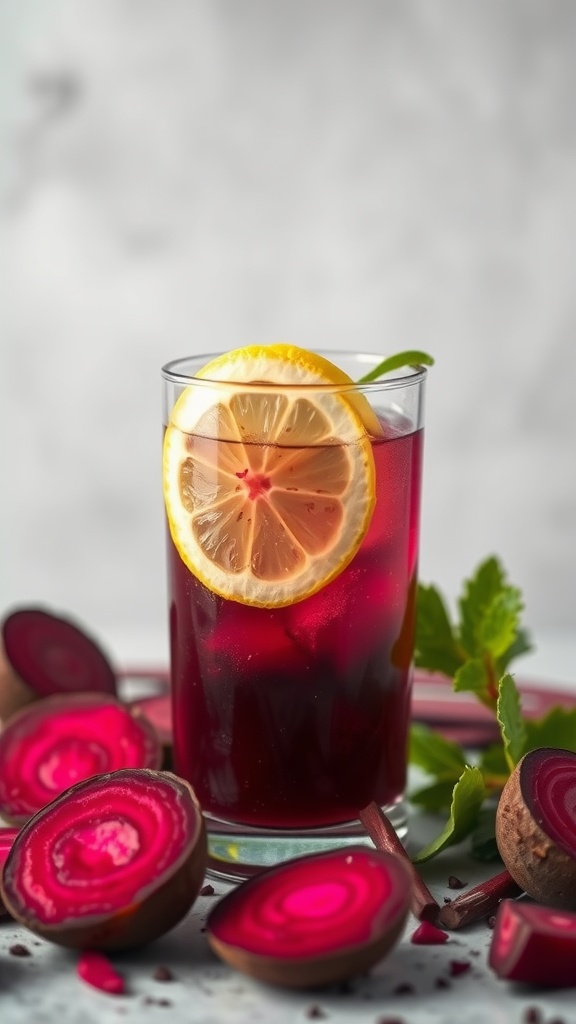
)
(475, 649)
(412, 357)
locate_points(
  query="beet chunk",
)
(315, 920)
(536, 826)
(51, 654)
(534, 944)
(56, 742)
(111, 863)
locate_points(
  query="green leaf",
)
(556, 729)
(478, 594)
(437, 756)
(499, 624)
(471, 677)
(409, 358)
(467, 797)
(520, 645)
(509, 715)
(434, 798)
(435, 644)
(483, 841)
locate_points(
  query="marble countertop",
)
(414, 984)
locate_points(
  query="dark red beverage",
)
(297, 717)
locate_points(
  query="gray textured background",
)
(182, 176)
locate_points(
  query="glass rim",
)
(406, 376)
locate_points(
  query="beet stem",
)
(480, 902)
(383, 835)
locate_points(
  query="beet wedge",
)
(315, 920)
(534, 944)
(536, 826)
(112, 863)
(59, 741)
(50, 654)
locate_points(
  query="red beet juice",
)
(297, 717)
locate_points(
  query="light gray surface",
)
(181, 177)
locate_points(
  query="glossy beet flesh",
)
(113, 862)
(158, 710)
(314, 920)
(59, 741)
(534, 944)
(51, 654)
(536, 826)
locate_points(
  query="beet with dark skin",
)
(7, 837)
(50, 654)
(110, 864)
(536, 826)
(59, 741)
(534, 944)
(315, 920)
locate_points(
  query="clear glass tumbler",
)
(291, 692)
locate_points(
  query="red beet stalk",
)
(111, 863)
(51, 654)
(480, 902)
(534, 944)
(384, 837)
(56, 742)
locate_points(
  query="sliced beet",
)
(534, 944)
(7, 837)
(111, 863)
(51, 654)
(315, 920)
(59, 741)
(536, 826)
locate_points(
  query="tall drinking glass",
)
(292, 562)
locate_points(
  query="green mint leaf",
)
(478, 594)
(509, 715)
(435, 644)
(520, 645)
(471, 677)
(437, 756)
(467, 797)
(556, 729)
(483, 840)
(434, 798)
(409, 358)
(498, 626)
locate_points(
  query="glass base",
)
(237, 852)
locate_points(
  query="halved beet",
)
(111, 863)
(7, 837)
(536, 826)
(314, 920)
(534, 944)
(51, 654)
(59, 741)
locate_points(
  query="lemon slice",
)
(268, 483)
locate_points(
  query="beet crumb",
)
(163, 973)
(455, 883)
(207, 890)
(491, 921)
(447, 899)
(442, 983)
(428, 935)
(390, 1020)
(315, 1013)
(532, 1015)
(404, 989)
(458, 967)
(19, 950)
